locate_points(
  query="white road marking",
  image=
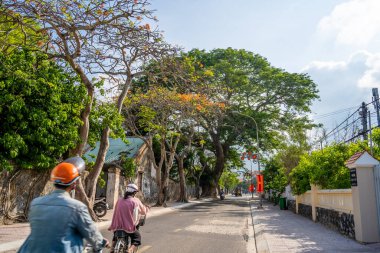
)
(144, 248)
(177, 230)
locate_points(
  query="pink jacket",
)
(126, 214)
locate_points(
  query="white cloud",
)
(344, 84)
(356, 22)
(362, 64)
(328, 65)
(371, 77)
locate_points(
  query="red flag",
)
(260, 183)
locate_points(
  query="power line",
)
(334, 112)
(337, 128)
(324, 137)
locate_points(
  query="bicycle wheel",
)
(121, 246)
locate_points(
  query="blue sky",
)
(337, 42)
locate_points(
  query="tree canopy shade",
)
(250, 87)
(39, 115)
(164, 114)
(250, 91)
(229, 180)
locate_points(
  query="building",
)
(115, 174)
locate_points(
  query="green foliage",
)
(274, 176)
(129, 166)
(12, 37)
(325, 168)
(248, 90)
(229, 180)
(261, 100)
(40, 105)
(376, 142)
(234, 160)
(105, 115)
(280, 181)
(300, 178)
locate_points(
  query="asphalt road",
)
(214, 226)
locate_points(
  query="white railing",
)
(340, 200)
(305, 198)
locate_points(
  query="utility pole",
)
(375, 100)
(370, 132)
(363, 114)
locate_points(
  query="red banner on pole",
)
(260, 183)
(251, 188)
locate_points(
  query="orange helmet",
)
(64, 174)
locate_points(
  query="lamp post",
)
(258, 156)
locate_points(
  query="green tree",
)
(251, 89)
(163, 114)
(91, 37)
(39, 122)
(229, 180)
(325, 168)
(39, 115)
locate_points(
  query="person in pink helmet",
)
(126, 216)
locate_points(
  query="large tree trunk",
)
(209, 189)
(182, 181)
(84, 130)
(159, 176)
(85, 115)
(164, 190)
(92, 178)
(165, 187)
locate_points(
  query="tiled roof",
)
(355, 157)
(116, 148)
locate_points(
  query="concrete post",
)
(314, 201)
(297, 202)
(363, 197)
(113, 182)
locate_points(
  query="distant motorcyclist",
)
(58, 222)
(221, 194)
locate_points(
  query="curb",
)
(251, 245)
(13, 245)
(259, 233)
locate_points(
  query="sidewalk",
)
(12, 236)
(284, 231)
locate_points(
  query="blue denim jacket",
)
(59, 224)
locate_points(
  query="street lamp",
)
(258, 156)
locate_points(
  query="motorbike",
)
(123, 239)
(100, 207)
(222, 196)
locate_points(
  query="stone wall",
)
(291, 205)
(304, 210)
(18, 189)
(339, 221)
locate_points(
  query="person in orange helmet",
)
(58, 222)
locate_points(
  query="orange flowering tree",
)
(165, 114)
